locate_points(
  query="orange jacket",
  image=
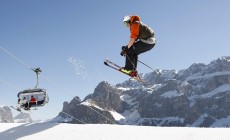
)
(134, 27)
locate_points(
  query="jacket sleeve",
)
(134, 30)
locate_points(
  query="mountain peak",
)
(6, 115)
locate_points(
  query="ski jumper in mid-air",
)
(141, 40)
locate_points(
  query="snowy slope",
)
(56, 131)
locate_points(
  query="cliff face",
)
(94, 109)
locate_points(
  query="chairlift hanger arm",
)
(37, 70)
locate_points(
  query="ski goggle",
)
(126, 23)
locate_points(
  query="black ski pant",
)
(133, 52)
(25, 105)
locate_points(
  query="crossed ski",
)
(116, 67)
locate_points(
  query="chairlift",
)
(40, 95)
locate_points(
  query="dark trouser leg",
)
(141, 47)
(130, 61)
(31, 103)
(132, 55)
(26, 105)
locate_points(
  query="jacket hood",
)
(134, 18)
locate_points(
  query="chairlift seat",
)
(40, 95)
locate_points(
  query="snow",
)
(223, 88)
(116, 115)
(128, 99)
(56, 131)
(123, 89)
(86, 103)
(200, 120)
(153, 88)
(195, 76)
(125, 97)
(226, 58)
(184, 83)
(222, 122)
(219, 89)
(61, 119)
(170, 94)
(130, 116)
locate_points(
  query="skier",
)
(141, 40)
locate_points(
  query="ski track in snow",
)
(57, 131)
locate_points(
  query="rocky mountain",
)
(197, 96)
(6, 115)
(23, 118)
(81, 112)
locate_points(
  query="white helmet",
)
(126, 20)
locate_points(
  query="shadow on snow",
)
(25, 130)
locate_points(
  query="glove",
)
(124, 50)
(123, 53)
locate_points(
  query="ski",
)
(116, 67)
(17, 109)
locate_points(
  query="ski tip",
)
(105, 63)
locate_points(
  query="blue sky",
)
(48, 33)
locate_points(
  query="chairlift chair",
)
(40, 95)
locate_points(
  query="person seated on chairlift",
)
(41, 100)
(33, 101)
(22, 102)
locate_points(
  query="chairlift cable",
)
(71, 116)
(11, 85)
(16, 58)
